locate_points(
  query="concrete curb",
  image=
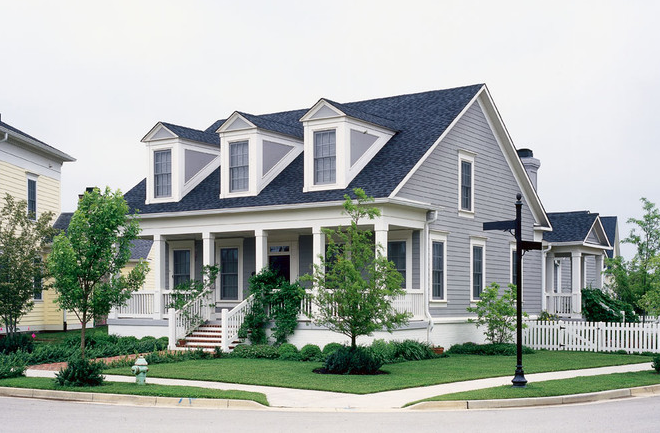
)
(132, 400)
(537, 401)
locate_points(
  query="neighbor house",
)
(251, 191)
(31, 170)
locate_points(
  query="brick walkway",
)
(57, 366)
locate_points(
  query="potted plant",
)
(438, 350)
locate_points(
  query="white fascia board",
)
(509, 150)
(47, 151)
(598, 225)
(435, 145)
(316, 107)
(154, 130)
(235, 115)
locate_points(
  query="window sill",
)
(438, 302)
(466, 213)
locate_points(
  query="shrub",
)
(656, 364)
(331, 347)
(599, 306)
(13, 364)
(502, 349)
(288, 352)
(15, 342)
(347, 360)
(311, 352)
(410, 350)
(255, 351)
(497, 314)
(80, 372)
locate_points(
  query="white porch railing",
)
(592, 336)
(232, 321)
(564, 303)
(141, 304)
(411, 302)
(192, 314)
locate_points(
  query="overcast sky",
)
(578, 82)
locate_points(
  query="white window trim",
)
(292, 253)
(181, 245)
(229, 167)
(467, 156)
(477, 242)
(405, 235)
(34, 177)
(230, 243)
(151, 181)
(438, 237)
(153, 155)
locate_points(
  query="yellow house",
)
(31, 170)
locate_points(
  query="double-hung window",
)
(239, 166)
(438, 270)
(32, 198)
(477, 267)
(396, 253)
(325, 157)
(162, 173)
(466, 183)
(181, 271)
(229, 273)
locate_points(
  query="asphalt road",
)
(32, 415)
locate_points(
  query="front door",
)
(281, 265)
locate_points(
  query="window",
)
(396, 253)
(163, 173)
(438, 270)
(229, 273)
(239, 165)
(32, 198)
(181, 271)
(466, 185)
(325, 159)
(477, 267)
(38, 288)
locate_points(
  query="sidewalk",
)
(306, 399)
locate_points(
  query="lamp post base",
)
(519, 380)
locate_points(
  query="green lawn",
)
(577, 385)
(60, 336)
(134, 389)
(455, 368)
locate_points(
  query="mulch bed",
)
(57, 366)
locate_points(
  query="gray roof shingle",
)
(609, 225)
(419, 120)
(570, 226)
(193, 134)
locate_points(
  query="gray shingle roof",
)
(352, 111)
(294, 130)
(609, 225)
(570, 226)
(63, 220)
(193, 134)
(419, 120)
(48, 147)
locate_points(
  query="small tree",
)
(354, 283)
(87, 261)
(22, 241)
(496, 313)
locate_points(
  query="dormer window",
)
(325, 157)
(163, 173)
(239, 166)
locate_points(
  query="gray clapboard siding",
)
(495, 189)
(305, 257)
(199, 259)
(249, 264)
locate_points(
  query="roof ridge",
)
(242, 113)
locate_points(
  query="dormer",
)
(179, 159)
(339, 142)
(253, 151)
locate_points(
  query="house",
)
(31, 170)
(256, 190)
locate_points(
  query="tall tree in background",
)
(354, 284)
(87, 261)
(22, 241)
(637, 281)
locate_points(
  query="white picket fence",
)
(592, 336)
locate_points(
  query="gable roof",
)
(419, 120)
(188, 133)
(34, 142)
(609, 225)
(357, 113)
(570, 226)
(62, 222)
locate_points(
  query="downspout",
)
(544, 264)
(431, 217)
(6, 137)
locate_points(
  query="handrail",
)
(181, 322)
(232, 320)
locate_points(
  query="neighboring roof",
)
(139, 247)
(609, 225)
(570, 226)
(5, 127)
(192, 134)
(419, 118)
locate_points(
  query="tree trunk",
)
(82, 336)
(353, 342)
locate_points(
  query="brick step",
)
(204, 339)
(198, 332)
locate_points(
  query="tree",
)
(496, 313)
(22, 241)
(354, 283)
(87, 261)
(637, 282)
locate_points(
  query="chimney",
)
(88, 189)
(530, 163)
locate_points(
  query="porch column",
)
(159, 275)
(380, 232)
(260, 249)
(576, 281)
(318, 245)
(547, 301)
(599, 271)
(208, 257)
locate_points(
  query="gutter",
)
(431, 217)
(544, 261)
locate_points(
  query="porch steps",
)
(207, 336)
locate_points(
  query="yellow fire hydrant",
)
(140, 370)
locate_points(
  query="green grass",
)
(134, 389)
(411, 374)
(60, 336)
(549, 388)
